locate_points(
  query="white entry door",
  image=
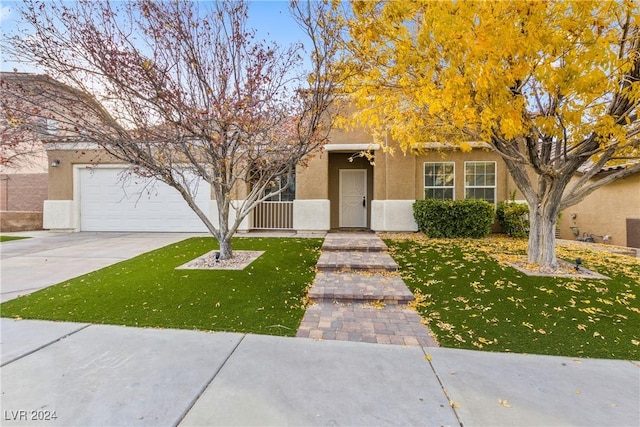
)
(353, 198)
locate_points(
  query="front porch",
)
(340, 189)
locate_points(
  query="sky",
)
(270, 18)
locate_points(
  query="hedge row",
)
(454, 218)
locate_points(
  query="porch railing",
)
(273, 216)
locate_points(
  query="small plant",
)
(513, 217)
(454, 218)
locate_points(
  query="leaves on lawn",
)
(470, 298)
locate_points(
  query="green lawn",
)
(472, 301)
(267, 297)
(10, 238)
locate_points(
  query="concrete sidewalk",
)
(97, 375)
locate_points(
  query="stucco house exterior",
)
(23, 169)
(338, 188)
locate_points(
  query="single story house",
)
(338, 188)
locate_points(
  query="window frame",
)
(439, 187)
(495, 181)
(290, 193)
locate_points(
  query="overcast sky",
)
(271, 19)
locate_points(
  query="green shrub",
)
(513, 218)
(454, 218)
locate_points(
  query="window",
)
(480, 181)
(51, 126)
(287, 195)
(439, 180)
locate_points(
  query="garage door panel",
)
(108, 203)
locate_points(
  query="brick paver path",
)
(358, 295)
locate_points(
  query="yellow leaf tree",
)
(552, 86)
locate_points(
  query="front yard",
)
(472, 301)
(267, 297)
(465, 293)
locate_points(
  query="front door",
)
(353, 198)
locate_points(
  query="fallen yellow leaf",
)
(504, 402)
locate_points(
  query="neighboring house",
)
(23, 191)
(24, 166)
(610, 214)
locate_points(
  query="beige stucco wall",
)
(35, 162)
(398, 179)
(312, 178)
(605, 211)
(61, 176)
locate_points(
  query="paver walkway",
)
(358, 295)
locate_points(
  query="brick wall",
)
(23, 192)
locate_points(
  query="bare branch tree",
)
(178, 89)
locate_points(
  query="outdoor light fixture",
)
(217, 256)
(578, 264)
(55, 163)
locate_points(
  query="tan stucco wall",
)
(605, 211)
(399, 180)
(312, 179)
(61, 176)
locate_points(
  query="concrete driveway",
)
(50, 258)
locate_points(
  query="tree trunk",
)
(224, 237)
(542, 237)
(225, 248)
(544, 207)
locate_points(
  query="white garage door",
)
(109, 203)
